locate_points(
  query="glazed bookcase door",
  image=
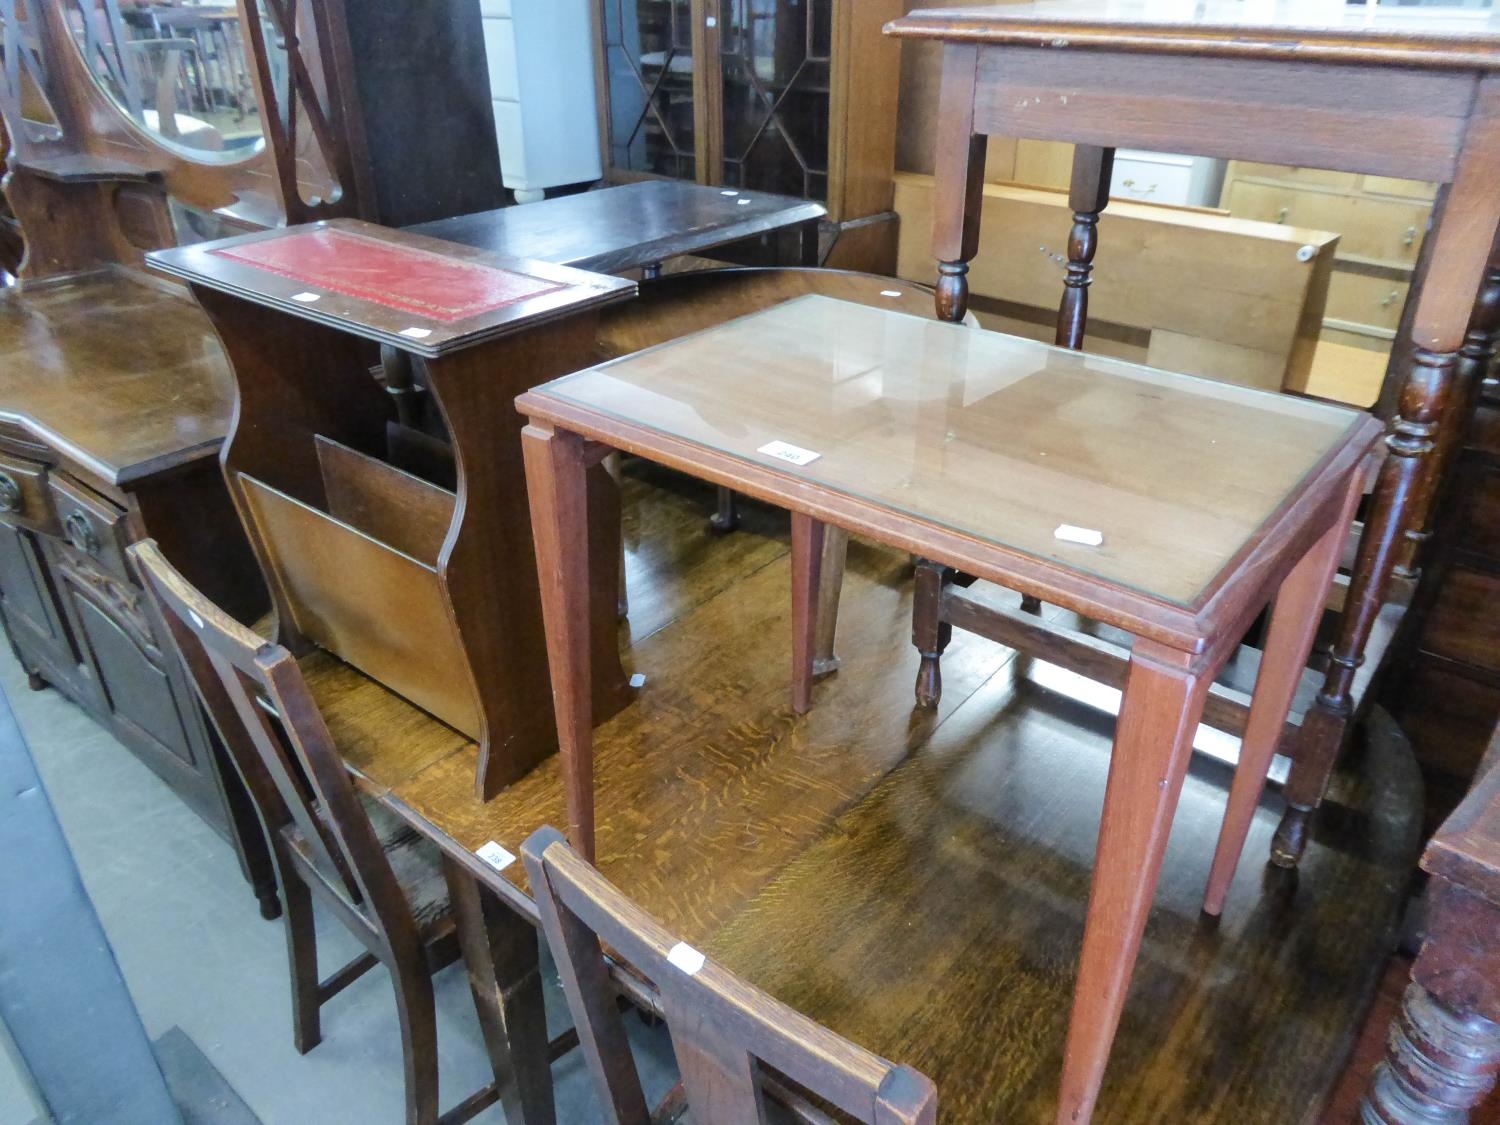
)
(650, 53)
(775, 72)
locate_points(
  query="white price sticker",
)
(416, 333)
(496, 856)
(686, 958)
(792, 454)
(1085, 535)
(307, 298)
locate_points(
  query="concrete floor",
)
(197, 955)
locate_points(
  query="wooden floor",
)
(918, 881)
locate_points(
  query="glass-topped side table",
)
(1171, 507)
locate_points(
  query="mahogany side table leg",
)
(502, 960)
(1088, 195)
(613, 465)
(958, 181)
(556, 483)
(1294, 624)
(807, 567)
(830, 588)
(1462, 243)
(1443, 1052)
(1161, 708)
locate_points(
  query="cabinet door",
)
(776, 62)
(31, 612)
(651, 81)
(145, 698)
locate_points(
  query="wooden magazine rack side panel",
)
(488, 566)
(404, 511)
(373, 606)
(446, 582)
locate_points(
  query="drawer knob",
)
(11, 499)
(80, 533)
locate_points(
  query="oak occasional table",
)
(1371, 88)
(975, 449)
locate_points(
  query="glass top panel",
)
(990, 435)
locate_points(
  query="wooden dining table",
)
(1169, 507)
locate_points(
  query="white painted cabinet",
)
(541, 65)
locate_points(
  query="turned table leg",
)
(1087, 196)
(1443, 1051)
(959, 181)
(929, 632)
(1462, 243)
(1474, 360)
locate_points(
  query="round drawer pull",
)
(80, 533)
(11, 498)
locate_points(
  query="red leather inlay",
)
(398, 277)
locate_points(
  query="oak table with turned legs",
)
(973, 448)
(1365, 88)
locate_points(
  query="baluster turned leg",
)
(1457, 272)
(1474, 360)
(1323, 727)
(929, 632)
(959, 181)
(1088, 195)
(1443, 1051)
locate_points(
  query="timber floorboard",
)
(917, 881)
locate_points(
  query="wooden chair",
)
(375, 874)
(723, 1030)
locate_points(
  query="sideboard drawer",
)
(24, 498)
(91, 525)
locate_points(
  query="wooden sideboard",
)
(114, 399)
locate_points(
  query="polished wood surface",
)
(628, 226)
(723, 1029)
(916, 881)
(1000, 439)
(123, 379)
(1320, 30)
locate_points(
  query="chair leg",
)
(727, 516)
(418, 1016)
(302, 955)
(929, 632)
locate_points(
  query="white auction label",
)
(1085, 535)
(496, 856)
(686, 958)
(793, 454)
(417, 333)
(307, 298)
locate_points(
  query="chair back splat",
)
(723, 1029)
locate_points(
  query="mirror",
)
(23, 70)
(181, 71)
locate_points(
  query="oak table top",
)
(625, 227)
